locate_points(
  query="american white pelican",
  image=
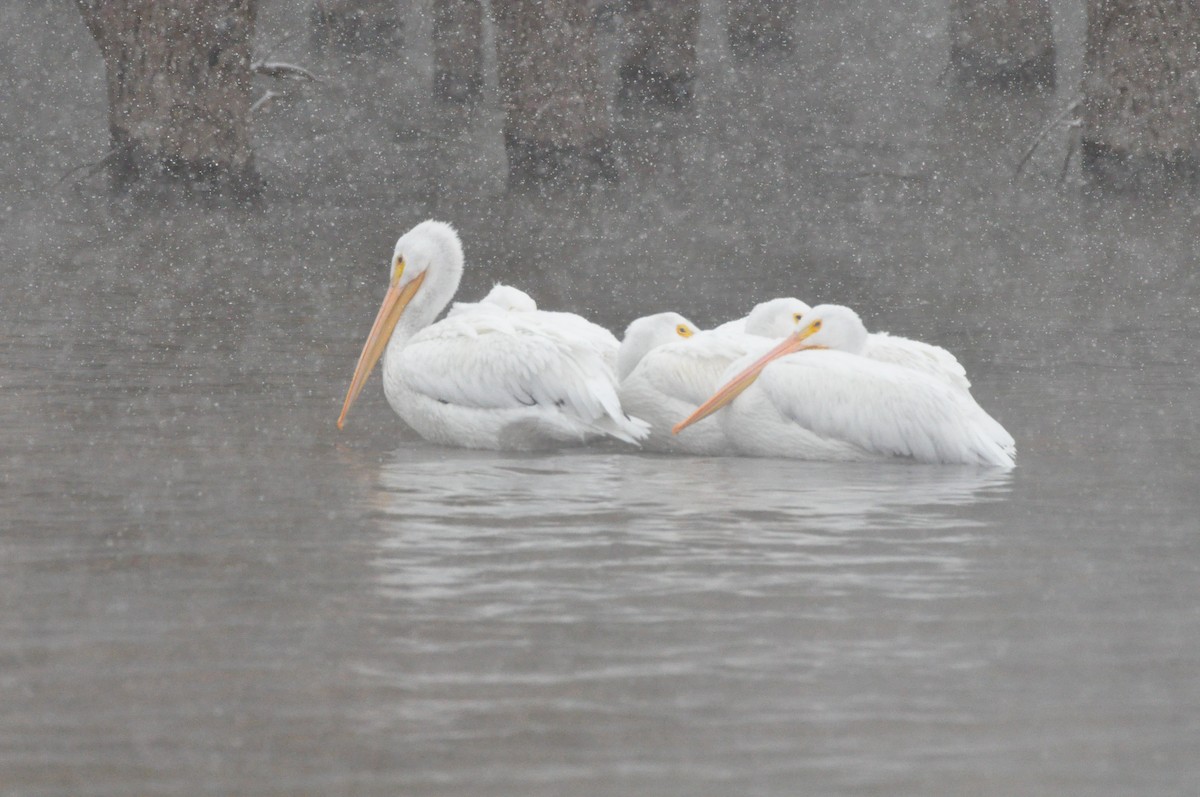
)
(668, 368)
(777, 318)
(774, 318)
(486, 377)
(648, 333)
(666, 371)
(827, 401)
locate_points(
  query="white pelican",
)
(666, 371)
(777, 318)
(486, 377)
(774, 318)
(668, 368)
(648, 333)
(830, 402)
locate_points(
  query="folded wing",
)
(885, 408)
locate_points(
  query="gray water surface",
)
(206, 589)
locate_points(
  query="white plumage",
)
(495, 374)
(668, 368)
(501, 298)
(774, 318)
(816, 396)
(918, 356)
(777, 318)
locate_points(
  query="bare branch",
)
(264, 100)
(94, 166)
(1043, 133)
(282, 69)
(1076, 127)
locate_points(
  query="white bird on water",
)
(668, 368)
(486, 377)
(828, 401)
(666, 371)
(774, 318)
(777, 318)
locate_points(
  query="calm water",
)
(205, 589)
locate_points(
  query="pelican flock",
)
(787, 380)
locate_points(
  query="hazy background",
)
(206, 589)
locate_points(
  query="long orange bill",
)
(734, 387)
(394, 302)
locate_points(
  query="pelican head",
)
(423, 275)
(775, 318)
(431, 248)
(826, 326)
(648, 333)
(830, 326)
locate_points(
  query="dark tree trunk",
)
(556, 118)
(458, 50)
(358, 25)
(1141, 108)
(1006, 43)
(179, 91)
(659, 63)
(757, 26)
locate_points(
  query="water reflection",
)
(447, 486)
(552, 618)
(460, 522)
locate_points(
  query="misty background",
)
(206, 589)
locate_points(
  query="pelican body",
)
(668, 368)
(495, 374)
(817, 396)
(501, 298)
(777, 318)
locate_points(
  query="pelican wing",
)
(924, 357)
(488, 360)
(690, 370)
(467, 308)
(885, 408)
(585, 331)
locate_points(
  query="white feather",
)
(496, 374)
(883, 409)
(924, 357)
(503, 298)
(776, 318)
(668, 383)
(833, 403)
(666, 375)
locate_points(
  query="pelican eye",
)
(816, 324)
(399, 268)
(796, 317)
(684, 331)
